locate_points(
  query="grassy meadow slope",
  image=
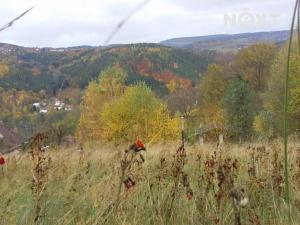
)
(193, 187)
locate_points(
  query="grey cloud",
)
(64, 26)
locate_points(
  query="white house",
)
(37, 105)
(68, 108)
(43, 111)
(59, 105)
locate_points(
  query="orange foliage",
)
(36, 72)
(167, 76)
(144, 67)
(4, 69)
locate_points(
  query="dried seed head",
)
(2, 161)
(239, 197)
(137, 146)
(129, 183)
(189, 194)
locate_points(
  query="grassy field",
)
(199, 185)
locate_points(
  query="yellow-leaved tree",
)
(110, 85)
(112, 81)
(138, 114)
(254, 64)
(212, 89)
(4, 69)
(274, 94)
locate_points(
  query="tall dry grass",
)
(82, 186)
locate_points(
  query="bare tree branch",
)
(124, 21)
(14, 20)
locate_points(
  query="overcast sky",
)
(63, 23)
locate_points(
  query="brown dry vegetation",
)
(198, 185)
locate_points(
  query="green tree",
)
(263, 125)
(213, 85)
(58, 125)
(274, 94)
(238, 108)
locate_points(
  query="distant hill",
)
(224, 42)
(51, 69)
(181, 59)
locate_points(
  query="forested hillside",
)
(35, 69)
(42, 87)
